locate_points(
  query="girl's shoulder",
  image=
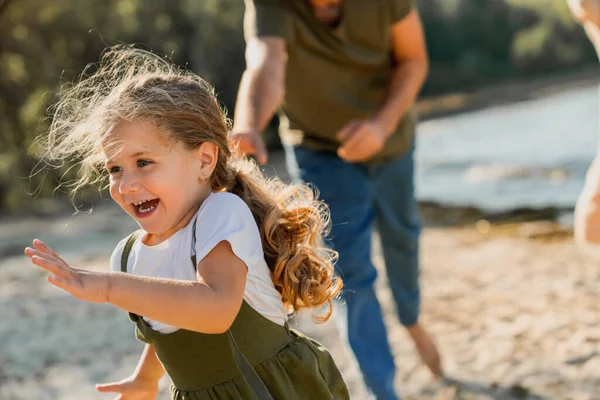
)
(224, 201)
(224, 196)
(223, 211)
(225, 216)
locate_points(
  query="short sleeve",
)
(267, 18)
(115, 258)
(400, 9)
(225, 216)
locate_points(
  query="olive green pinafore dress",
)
(277, 362)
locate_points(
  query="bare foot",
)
(426, 348)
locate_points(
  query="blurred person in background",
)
(587, 209)
(345, 75)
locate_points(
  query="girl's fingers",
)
(33, 252)
(29, 252)
(41, 246)
(48, 257)
(50, 266)
(113, 387)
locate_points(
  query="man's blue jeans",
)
(359, 196)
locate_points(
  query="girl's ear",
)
(207, 154)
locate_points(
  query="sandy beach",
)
(514, 307)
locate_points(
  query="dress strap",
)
(194, 261)
(250, 376)
(124, 257)
(127, 249)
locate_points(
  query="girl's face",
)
(155, 180)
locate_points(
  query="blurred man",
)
(346, 74)
(587, 209)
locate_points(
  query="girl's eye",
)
(114, 170)
(143, 163)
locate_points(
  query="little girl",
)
(223, 254)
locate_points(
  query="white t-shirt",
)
(222, 216)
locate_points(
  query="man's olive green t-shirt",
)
(333, 75)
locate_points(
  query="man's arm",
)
(260, 94)
(410, 53)
(363, 139)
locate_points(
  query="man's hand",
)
(361, 140)
(249, 143)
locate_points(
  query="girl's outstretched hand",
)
(131, 389)
(85, 285)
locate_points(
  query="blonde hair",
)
(132, 84)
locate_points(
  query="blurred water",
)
(529, 154)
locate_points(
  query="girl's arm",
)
(149, 368)
(143, 381)
(208, 305)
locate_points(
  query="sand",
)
(514, 308)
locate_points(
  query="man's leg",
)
(398, 223)
(344, 188)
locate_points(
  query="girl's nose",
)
(128, 184)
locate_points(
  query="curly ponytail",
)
(292, 224)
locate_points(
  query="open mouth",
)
(145, 207)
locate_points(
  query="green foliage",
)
(46, 44)
(476, 42)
